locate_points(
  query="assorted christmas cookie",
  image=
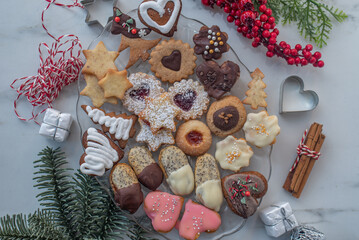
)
(147, 170)
(208, 182)
(160, 113)
(144, 86)
(138, 48)
(233, 153)
(178, 172)
(172, 60)
(190, 97)
(218, 80)
(124, 24)
(256, 95)
(163, 136)
(115, 83)
(197, 219)
(100, 153)
(126, 188)
(95, 92)
(261, 129)
(226, 116)
(163, 209)
(194, 138)
(241, 191)
(210, 42)
(99, 60)
(160, 15)
(121, 127)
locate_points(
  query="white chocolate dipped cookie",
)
(233, 153)
(261, 129)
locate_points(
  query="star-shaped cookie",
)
(95, 92)
(99, 60)
(138, 48)
(115, 83)
(163, 136)
(160, 113)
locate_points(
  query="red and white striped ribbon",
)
(60, 65)
(303, 149)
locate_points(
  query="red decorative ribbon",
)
(60, 65)
(303, 149)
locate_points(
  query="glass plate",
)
(260, 161)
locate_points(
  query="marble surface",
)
(329, 201)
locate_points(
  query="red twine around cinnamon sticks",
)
(60, 65)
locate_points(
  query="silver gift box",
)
(56, 125)
(278, 219)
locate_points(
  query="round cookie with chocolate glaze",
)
(147, 170)
(194, 138)
(210, 42)
(172, 60)
(126, 188)
(226, 116)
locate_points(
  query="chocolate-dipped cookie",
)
(226, 116)
(241, 191)
(218, 80)
(210, 42)
(147, 170)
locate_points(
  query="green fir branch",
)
(15, 227)
(42, 224)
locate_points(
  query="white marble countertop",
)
(329, 201)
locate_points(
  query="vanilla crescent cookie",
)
(190, 97)
(144, 86)
(233, 153)
(261, 129)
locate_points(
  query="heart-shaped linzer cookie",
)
(185, 100)
(218, 80)
(172, 61)
(160, 15)
(293, 98)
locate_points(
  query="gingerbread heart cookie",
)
(241, 191)
(218, 80)
(160, 15)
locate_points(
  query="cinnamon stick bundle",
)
(297, 179)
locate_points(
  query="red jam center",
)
(140, 93)
(194, 137)
(185, 100)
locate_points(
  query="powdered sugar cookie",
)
(261, 129)
(163, 136)
(190, 97)
(233, 153)
(144, 86)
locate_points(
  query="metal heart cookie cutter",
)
(293, 97)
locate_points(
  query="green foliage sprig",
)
(75, 207)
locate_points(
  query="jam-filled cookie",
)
(172, 60)
(190, 97)
(226, 116)
(210, 42)
(144, 86)
(194, 138)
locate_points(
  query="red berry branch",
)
(260, 27)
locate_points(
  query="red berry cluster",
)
(260, 27)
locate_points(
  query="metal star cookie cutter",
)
(88, 19)
(301, 101)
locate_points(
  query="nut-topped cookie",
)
(226, 116)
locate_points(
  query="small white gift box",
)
(278, 219)
(56, 125)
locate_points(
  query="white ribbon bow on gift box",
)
(56, 125)
(289, 224)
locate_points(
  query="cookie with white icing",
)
(147, 170)
(208, 182)
(101, 153)
(160, 15)
(233, 153)
(126, 188)
(121, 127)
(178, 172)
(261, 129)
